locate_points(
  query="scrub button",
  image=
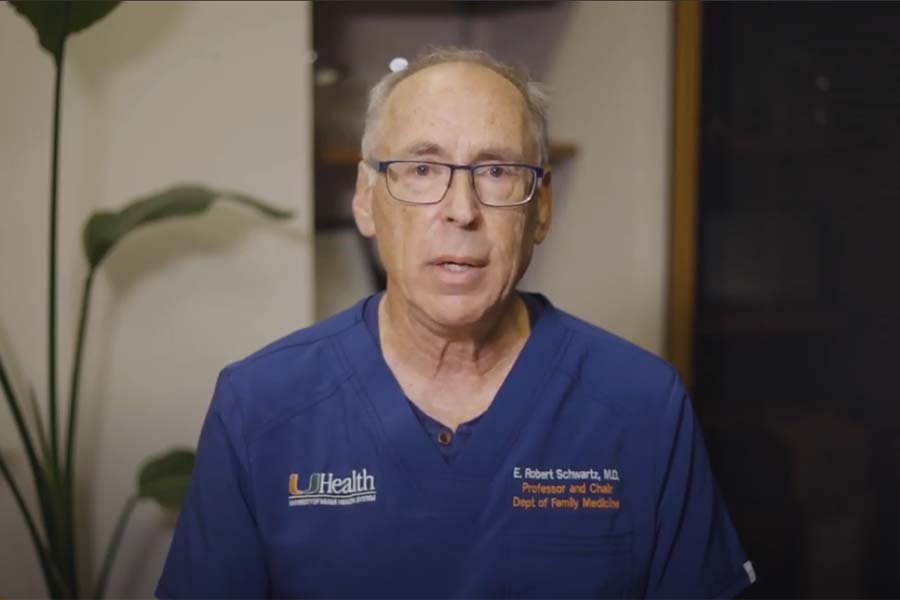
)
(445, 437)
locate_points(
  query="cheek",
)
(512, 240)
(385, 233)
(395, 229)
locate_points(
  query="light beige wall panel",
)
(607, 252)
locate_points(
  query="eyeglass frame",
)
(381, 166)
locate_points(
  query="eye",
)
(423, 170)
(498, 171)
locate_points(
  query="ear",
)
(362, 200)
(544, 208)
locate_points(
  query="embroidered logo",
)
(327, 489)
(567, 489)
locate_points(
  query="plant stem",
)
(54, 189)
(76, 376)
(69, 471)
(16, 411)
(39, 471)
(62, 546)
(39, 430)
(113, 547)
(55, 584)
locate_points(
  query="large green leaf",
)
(105, 229)
(165, 478)
(51, 21)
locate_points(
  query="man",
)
(452, 436)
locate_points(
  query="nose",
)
(460, 205)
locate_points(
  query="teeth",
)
(455, 267)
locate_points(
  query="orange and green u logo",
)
(315, 484)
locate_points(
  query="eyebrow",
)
(422, 148)
(426, 148)
(499, 153)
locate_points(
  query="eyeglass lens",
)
(426, 183)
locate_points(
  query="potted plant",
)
(49, 444)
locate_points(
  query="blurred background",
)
(724, 188)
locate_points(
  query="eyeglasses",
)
(427, 182)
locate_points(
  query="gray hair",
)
(534, 94)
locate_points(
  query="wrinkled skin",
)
(460, 113)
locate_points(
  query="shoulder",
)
(615, 371)
(290, 374)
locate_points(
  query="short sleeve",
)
(216, 550)
(697, 552)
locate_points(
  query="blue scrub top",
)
(586, 477)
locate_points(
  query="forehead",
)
(458, 107)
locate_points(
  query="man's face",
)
(456, 261)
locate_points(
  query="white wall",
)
(155, 94)
(606, 257)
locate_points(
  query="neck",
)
(437, 352)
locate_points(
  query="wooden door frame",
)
(685, 175)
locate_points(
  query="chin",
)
(458, 311)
